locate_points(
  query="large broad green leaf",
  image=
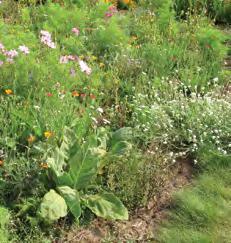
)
(122, 134)
(119, 141)
(65, 179)
(58, 160)
(106, 205)
(83, 165)
(72, 199)
(53, 206)
(120, 148)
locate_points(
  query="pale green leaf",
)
(106, 205)
(53, 206)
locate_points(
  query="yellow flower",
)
(134, 38)
(81, 57)
(101, 65)
(48, 134)
(8, 91)
(31, 139)
(44, 165)
(94, 58)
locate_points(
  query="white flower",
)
(100, 110)
(84, 67)
(24, 49)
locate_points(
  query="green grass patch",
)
(201, 213)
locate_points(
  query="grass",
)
(201, 213)
(4, 221)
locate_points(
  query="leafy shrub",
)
(72, 169)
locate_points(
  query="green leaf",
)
(120, 148)
(72, 199)
(58, 160)
(83, 166)
(53, 206)
(65, 179)
(106, 205)
(119, 141)
(122, 134)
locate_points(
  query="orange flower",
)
(44, 165)
(1, 162)
(8, 91)
(31, 139)
(75, 94)
(48, 134)
(92, 96)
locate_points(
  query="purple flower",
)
(76, 31)
(84, 67)
(24, 49)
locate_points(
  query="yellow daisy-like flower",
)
(9, 91)
(48, 134)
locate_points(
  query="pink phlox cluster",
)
(65, 59)
(45, 38)
(24, 49)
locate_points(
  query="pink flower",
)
(111, 11)
(24, 49)
(11, 53)
(76, 31)
(45, 33)
(72, 58)
(63, 59)
(66, 59)
(2, 48)
(72, 72)
(45, 38)
(1, 63)
(10, 60)
(84, 67)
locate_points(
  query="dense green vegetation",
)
(99, 101)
